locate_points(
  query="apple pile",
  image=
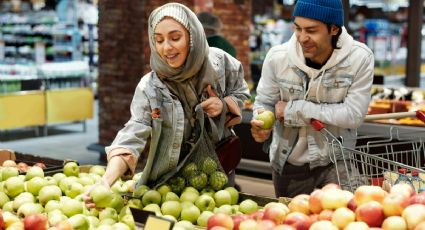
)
(369, 207)
(36, 201)
(21, 166)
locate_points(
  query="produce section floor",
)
(69, 141)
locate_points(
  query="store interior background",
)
(68, 68)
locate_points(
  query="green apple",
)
(203, 218)
(23, 198)
(79, 221)
(190, 213)
(107, 221)
(191, 189)
(267, 117)
(225, 208)
(108, 213)
(74, 190)
(72, 207)
(90, 211)
(170, 196)
(93, 221)
(177, 184)
(85, 180)
(164, 189)
(120, 226)
(52, 205)
(14, 186)
(102, 196)
(104, 227)
(205, 203)
(66, 182)
(184, 224)
(234, 194)
(151, 197)
(71, 169)
(29, 209)
(8, 206)
(208, 191)
(119, 187)
(35, 184)
(129, 221)
(170, 217)
(222, 197)
(153, 208)
(137, 176)
(117, 202)
(248, 206)
(97, 169)
(34, 171)
(3, 199)
(139, 191)
(135, 203)
(171, 208)
(49, 192)
(56, 218)
(50, 180)
(189, 196)
(130, 184)
(9, 172)
(58, 177)
(186, 204)
(95, 177)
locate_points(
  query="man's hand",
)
(280, 110)
(259, 134)
(213, 106)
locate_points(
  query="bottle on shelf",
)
(403, 178)
(417, 182)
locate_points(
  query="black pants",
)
(296, 180)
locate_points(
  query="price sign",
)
(155, 223)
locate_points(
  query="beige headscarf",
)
(188, 81)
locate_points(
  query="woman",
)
(185, 73)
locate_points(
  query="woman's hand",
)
(88, 200)
(213, 106)
(280, 110)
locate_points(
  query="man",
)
(212, 26)
(320, 73)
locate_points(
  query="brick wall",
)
(124, 52)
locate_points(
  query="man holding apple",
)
(320, 73)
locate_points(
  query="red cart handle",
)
(317, 125)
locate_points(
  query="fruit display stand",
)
(24, 161)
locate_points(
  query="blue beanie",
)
(327, 11)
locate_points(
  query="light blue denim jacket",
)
(338, 95)
(167, 131)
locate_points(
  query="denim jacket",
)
(166, 132)
(338, 95)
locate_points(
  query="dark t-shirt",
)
(220, 42)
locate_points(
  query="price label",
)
(155, 223)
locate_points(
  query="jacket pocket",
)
(335, 88)
(290, 90)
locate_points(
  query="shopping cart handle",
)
(420, 115)
(317, 125)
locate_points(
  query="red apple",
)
(331, 185)
(371, 213)
(417, 199)
(323, 224)
(342, 217)
(248, 224)
(265, 224)
(334, 198)
(300, 203)
(298, 220)
(257, 215)
(275, 213)
(357, 225)
(36, 222)
(218, 228)
(284, 227)
(41, 165)
(394, 223)
(314, 217)
(237, 219)
(394, 204)
(63, 225)
(220, 219)
(314, 202)
(403, 189)
(413, 215)
(1, 221)
(366, 193)
(326, 215)
(352, 204)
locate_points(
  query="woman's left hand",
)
(213, 106)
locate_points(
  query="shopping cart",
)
(376, 160)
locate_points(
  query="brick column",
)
(124, 52)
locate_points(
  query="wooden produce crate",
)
(51, 164)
